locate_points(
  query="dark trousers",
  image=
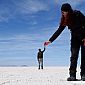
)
(40, 61)
(75, 47)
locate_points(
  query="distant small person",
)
(40, 58)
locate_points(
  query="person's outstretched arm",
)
(55, 35)
(44, 49)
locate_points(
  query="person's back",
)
(40, 58)
(77, 24)
(40, 54)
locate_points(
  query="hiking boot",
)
(83, 78)
(72, 78)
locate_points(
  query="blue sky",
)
(26, 24)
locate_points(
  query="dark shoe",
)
(39, 68)
(42, 67)
(72, 78)
(83, 78)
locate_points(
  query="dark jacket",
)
(76, 26)
(40, 54)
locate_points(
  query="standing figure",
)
(75, 20)
(40, 58)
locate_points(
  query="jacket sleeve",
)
(57, 33)
(44, 49)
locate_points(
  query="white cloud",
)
(31, 6)
(21, 42)
(22, 7)
(5, 14)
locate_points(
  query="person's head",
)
(65, 9)
(39, 50)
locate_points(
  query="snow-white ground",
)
(33, 76)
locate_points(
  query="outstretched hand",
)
(46, 43)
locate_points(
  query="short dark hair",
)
(39, 49)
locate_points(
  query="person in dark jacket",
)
(40, 58)
(75, 21)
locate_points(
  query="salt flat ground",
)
(33, 76)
